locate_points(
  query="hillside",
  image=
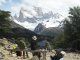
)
(52, 31)
(16, 30)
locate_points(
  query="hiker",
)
(34, 43)
(10, 49)
(58, 56)
(44, 44)
(34, 47)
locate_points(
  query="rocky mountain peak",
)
(21, 17)
(15, 16)
(40, 27)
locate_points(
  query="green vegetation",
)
(72, 29)
(22, 42)
(70, 38)
(58, 41)
(4, 21)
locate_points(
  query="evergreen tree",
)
(72, 29)
(4, 21)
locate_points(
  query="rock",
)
(14, 55)
(1, 55)
(35, 58)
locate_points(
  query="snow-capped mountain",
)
(30, 21)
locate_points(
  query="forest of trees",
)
(70, 37)
(72, 29)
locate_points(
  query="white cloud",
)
(60, 6)
(4, 1)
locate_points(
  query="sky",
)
(58, 6)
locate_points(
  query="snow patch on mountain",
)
(30, 20)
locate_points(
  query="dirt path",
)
(68, 56)
(72, 56)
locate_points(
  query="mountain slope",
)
(15, 25)
(17, 30)
(52, 31)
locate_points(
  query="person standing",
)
(44, 44)
(34, 46)
(34, 43)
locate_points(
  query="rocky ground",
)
(68, 56)
(4, 55)
(72, 56)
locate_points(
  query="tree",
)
(68, 33)
(72, 29)
(58, 41)
(4, 21)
